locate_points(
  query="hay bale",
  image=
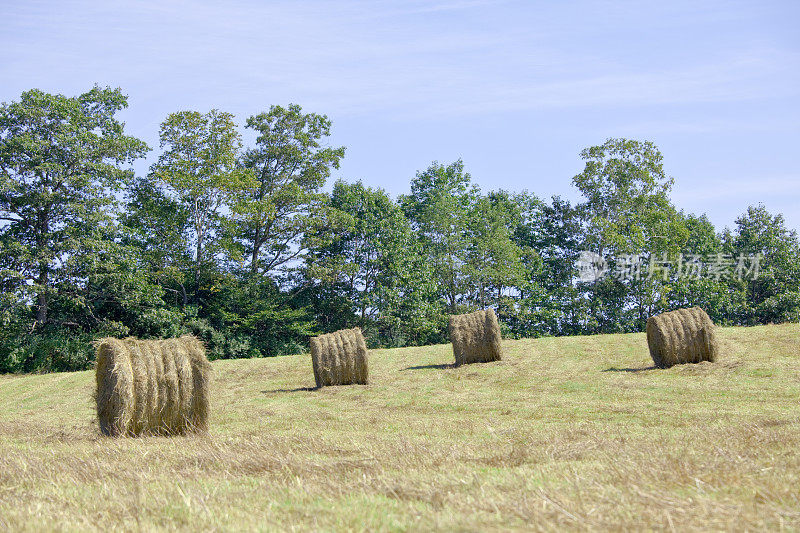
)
(201, 372)
(115, 396)
(340, 358)
(682, 336)
(476, 337)
(152, 387)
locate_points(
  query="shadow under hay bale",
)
(476, 337)
(682, 336)
(340, 358)
(152, 387)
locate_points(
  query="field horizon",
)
(576, 433)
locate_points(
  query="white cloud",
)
(394, 58)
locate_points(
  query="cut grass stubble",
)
(501, 446)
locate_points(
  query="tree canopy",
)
(241, 243)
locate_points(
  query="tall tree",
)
(767, 256)
(629, 215)
(199, 166)
(367, 252)
(627, 197)
(290, 165)
(158, 225)
(493, 260)
(690, 286)
(439, 208)
(551, 237)
(60, 163)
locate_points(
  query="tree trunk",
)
(199, 252)
(41, 309)
(43, 229)
(254, 260)
(256, 250)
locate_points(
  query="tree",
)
(551, 237)
(772, 290)
(60, 163)
(158, 226)
(493, 260)
(627, 196)
(366, 254)
(199, 165)
(717, 297)
(629, 216)
(290, 166)
(439, 209)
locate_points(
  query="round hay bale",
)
(340, 358)
(178, 412)
(201, 375)
(171, 386)
(476, 337)
(682, 336)
(160, 402)
(141, 384)
(361, 367)
(152, 387)
(114, 378)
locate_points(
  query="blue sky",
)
(514, 88)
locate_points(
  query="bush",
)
(47, 352)
(159, 323)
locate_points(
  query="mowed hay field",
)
(571, 433)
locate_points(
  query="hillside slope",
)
(564, 433)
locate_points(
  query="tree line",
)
(241, 246)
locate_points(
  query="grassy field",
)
(572, 433)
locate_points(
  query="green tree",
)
(290, 166)
(199, 166)
(158, 226)
(772, 291)
(368, 251)
(439, 209)
(60, 164)
(417, 316)
(551, 237)
(494, 263)
(629, 216)
(627, 197)
(718, 297)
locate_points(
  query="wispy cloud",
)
(393, 9)
(560, 74)
(395, 58)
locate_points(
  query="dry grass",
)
(577, 433)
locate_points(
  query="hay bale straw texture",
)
(476, 337)
(682, 336)
(340, 358)
(152, 387)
